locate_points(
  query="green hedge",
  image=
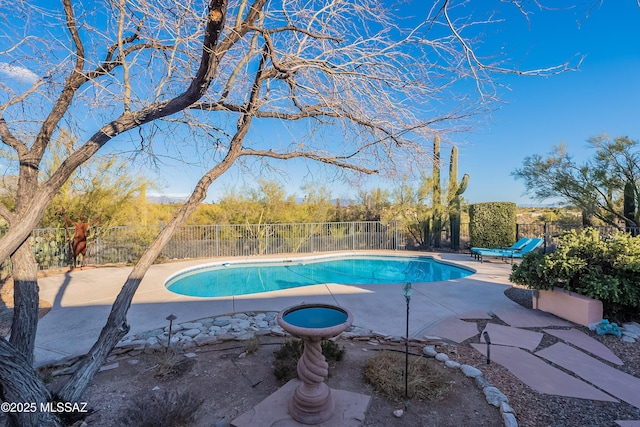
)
(607, 269)
(492, 224)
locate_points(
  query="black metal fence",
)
(550, 232)
(125, 245)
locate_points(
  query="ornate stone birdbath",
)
(312, 402)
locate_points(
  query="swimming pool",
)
(243, 278)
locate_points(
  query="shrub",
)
(285, 365)
(169, 409)
(492, 225)
(607, 269)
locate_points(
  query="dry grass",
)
(427, 381)
(166, 361)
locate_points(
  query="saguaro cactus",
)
(454, 200)
(437, 202)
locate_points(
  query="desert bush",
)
(385, 372)
(168, 409)
(286, 357)
(606, 268)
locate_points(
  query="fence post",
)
(217, 237)
(353, 237)
(395, 233)
(545, 237)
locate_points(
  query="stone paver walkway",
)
(585, 342)
(607, 378)
(514, 337)
(518, 350)
(541, 376)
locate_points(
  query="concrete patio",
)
(81, 301)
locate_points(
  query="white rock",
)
(277, 330)
(442, 357)
(222, 320)
(429, 350)
(504, 407)
(470, 371)
(156, 388)
(398, 413)
(451, 364)
(240, 325)
(509, 419)
(494, 396)
(191, 332)
(626, 338)
(191, 325)
(632, 327)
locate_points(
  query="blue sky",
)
(603, 96)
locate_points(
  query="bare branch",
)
(8, 138)
(329, 160)
(122, 58)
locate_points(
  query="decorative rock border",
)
(492, 394)
(244, 326)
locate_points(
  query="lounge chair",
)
(509, 253)
(515, 247)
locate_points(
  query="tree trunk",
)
(26, 298)
(116, 326)
(21, 384)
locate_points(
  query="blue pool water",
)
(244, 278)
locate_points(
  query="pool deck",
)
(81, 301)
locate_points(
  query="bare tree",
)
(200, 75)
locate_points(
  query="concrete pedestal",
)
(273, 411)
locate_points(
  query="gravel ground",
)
(534, 409)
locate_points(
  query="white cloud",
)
(21, 74)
